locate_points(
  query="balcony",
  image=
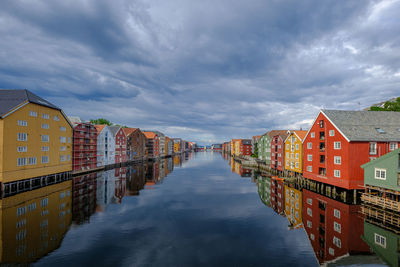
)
(381, 202)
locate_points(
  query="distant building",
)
(278, 150)
(84, 146)
(120, 143)
(135, 145)
(152, 144)
(294, 151)
(105, 146)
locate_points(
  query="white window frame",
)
(21, 162)
(309, 157)
(331, 132)
(45, 159)
(309, 224)
(45, 126)
(336, 173)
(22, 123)
(33, 113)
(309, 168)
(56, 118)
(45, 148)
(337, 227)
(373, 145)
(337, 145)
(309, 145)
(63, 129)
(336, 213)
(309, 201)
(393, 146)
(44, 139)
(380, 240)
(45, 116)
(380, 176)
(337, 160)
(63, 158)
(23, 137)
(63, 139)
(309, 212)
(22, 149)
(312, 134)
(337, 242)
(32, 161)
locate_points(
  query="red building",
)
(83, 197)
(339, 142)
(245, 147)
(334, 228)
(84, 147)
(278, 151)
(120, 143)
(278, 196)
(152, 144)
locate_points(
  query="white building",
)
(105, 146)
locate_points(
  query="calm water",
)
(200, 209)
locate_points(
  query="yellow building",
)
(34, 223)
(234, 146)
(294, 151)
(35, 140)
(293, 207)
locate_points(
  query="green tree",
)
(101, 121)
(388, 106)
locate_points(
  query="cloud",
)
(205, 71)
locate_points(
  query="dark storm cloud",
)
(203, 70)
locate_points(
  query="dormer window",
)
(379, 130)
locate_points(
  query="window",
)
(309, 157)
(22, 149)
(297, 165)
(372, 148)
(297, 146)
(32, 161)
(44, 202)
(45, 126)
(63, 148)
(45, 159)
(22, 123)
(291, 155)
(22, 137)
(312, 237)
(45, 116)
(336, 173)
(332, 251)
(287, 163)
(338, 160)
(32, 206)
(337, 227)
(337, 145)
(69, 139)
(21, 162)
(321, 124)
(392, 146)
(63, 129)
(287, 146)
(337, 242)
(309, 224)
(21, 223)
(297, 155)
(33, 113)
(63, 139)
(331, 132)
(379, 130)
(62, 195)
(287, 154)
(44, 212)
(45, 148)
(380, 174)
(21, 211)
(312, 135)
(336, 213)
(45, 138)
(68, 157)
(62, 158)
(309, 201)
(309, 145)
(56, 118)
(380, 240)
(309, 212)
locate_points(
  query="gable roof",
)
(282, 133)
(128, 131)
(99, 127)
(10, 99)
(114, 129)
(150, 135)
(365, 125)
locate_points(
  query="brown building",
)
(135, 145)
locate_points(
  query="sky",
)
(206, 71)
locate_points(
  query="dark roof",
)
(366, 125)
(282, 133)
(246, 141)
(10, 99)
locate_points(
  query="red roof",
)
(99, 127)
(301, 134)
(128, 131)
(149, 135)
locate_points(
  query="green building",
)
(384, 243)
(384, 172)
(264, 189)
(264, 145)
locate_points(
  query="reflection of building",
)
(334, 228)
(83, 197)
(177, 160)
(384, 243)
(120, 183)
(34, 223)
(293, 206)
(105, 191)
(135, 179)
(277, 196)
(264, 189)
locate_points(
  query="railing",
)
(381, 202)
(381, 215)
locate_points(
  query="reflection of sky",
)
(199, 216)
